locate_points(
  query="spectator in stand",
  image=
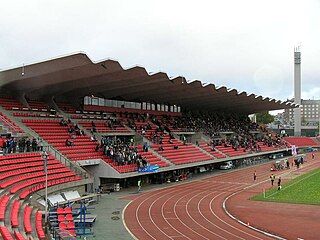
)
(40, 144)
(160, 148)
(34, 145)
(146, 147)
(63, 123)
(14, 145)
(97, 147)
(69, 143)
(28, 145)
(93, 138)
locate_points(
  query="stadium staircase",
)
(216, 153)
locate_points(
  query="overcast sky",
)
(246, 45)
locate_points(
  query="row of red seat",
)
(39, 228)
(18, 236)
(46, 115)
(301, 141)
(3, 205)
(25, 184)
(69, 225)
(27, 219)
(30, 190)
(66, 210)
(63, 218)
(34, 176)
(11, 165)
(19, 155)
(5, 233)
(14, 213)
(24, 169)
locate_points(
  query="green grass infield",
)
(304, 189)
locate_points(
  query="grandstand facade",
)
(105, 127)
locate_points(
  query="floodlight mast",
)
(297, 91)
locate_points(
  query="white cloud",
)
(247, 45)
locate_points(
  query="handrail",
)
(9, 124)
(73, 166)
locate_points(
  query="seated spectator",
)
(170, 141)
(97, 147)
(175, 147)
(146, 147)
(144, 162)
(93, 130)
(69, 143)
(63, 123)
(160, 148)
(93, 138)
(71, 129)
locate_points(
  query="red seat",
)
(60, 210)
(5, 233)
(39, 228)
(3, 204)
(68, 210)
(27, 219)
(69, 217)
(18, 236)
(61, 218)
(70, 225)
(14, 214)
(62, 225)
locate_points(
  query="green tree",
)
(264, 117)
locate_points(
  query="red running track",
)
(195, 210)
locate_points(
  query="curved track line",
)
(199, 210)
(241, 222)
(124, 223)
(162, 212)
(230, 225)
(175, 205)
(222, 229)
(152, 195)
(137, 217)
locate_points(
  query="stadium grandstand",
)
(75, 129)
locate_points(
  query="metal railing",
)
(9, 124)
(72, 165)
(241, 163)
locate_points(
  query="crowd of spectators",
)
(121, 151)
(21, 145)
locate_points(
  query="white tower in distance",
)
(297, 91)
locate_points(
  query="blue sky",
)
(246, 45)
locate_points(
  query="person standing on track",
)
(279, 184)
(139, 185)
(255, 176)
(272, 178)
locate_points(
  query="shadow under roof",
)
(75, 76)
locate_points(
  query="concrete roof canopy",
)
(75, 76)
